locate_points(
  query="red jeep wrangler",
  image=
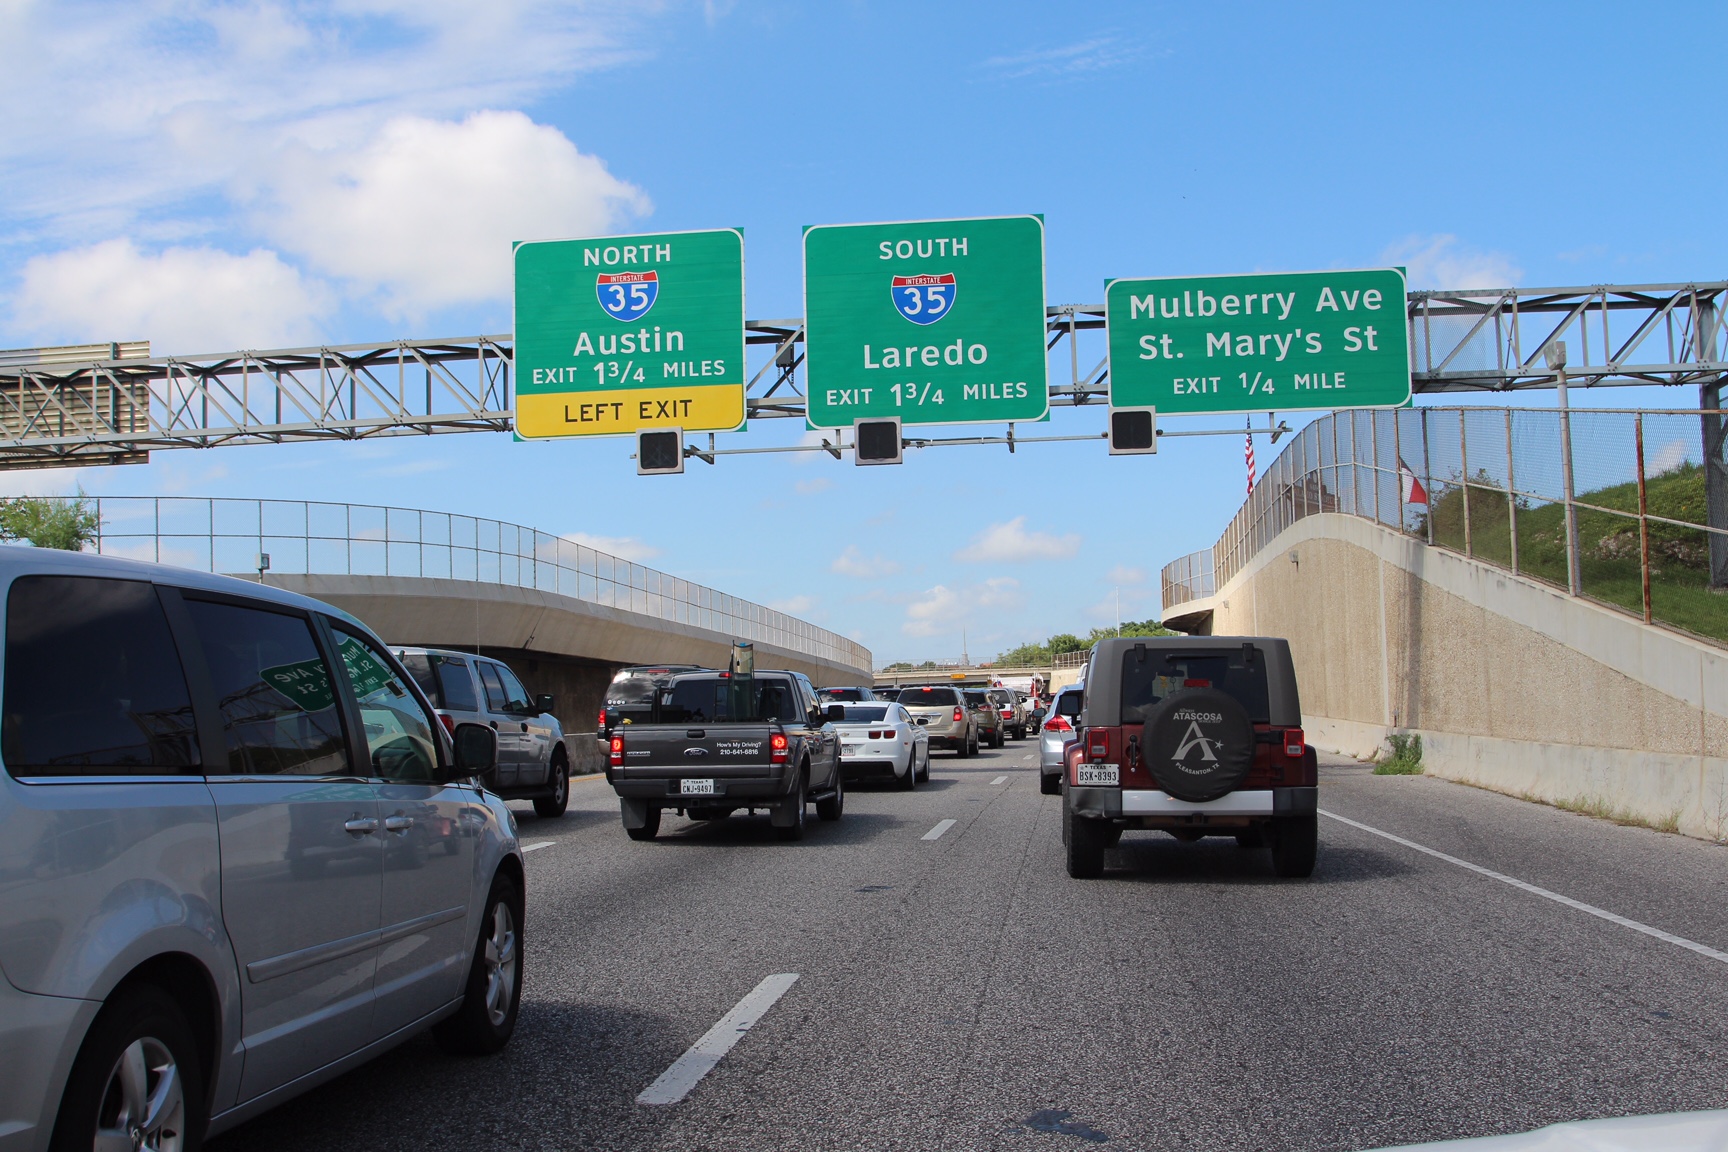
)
(1194, 736)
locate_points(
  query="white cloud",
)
(853, 562)
(812, 487)
(1440, 261)
(624, 547)
(942, 611)
(424, 213)
(181, 299)
(197, 96)
(1669, 457)
(794, 605)
(1122, 574)
(1011, 543)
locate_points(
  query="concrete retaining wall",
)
(1512, 684)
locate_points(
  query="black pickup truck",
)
(716, 743)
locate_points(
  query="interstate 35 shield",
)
(924, 299)
(627, 296)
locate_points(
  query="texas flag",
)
(1414, 493)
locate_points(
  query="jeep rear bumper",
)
(1151, 808)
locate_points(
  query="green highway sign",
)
(619, 333)
(1254, 343)
(933, 321)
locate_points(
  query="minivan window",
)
(274, 690)
(1149, 675)
(398, 734)
(93, 681)
(495, 697)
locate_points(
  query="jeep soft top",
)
(1195, 736)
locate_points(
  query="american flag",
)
(1248, 452)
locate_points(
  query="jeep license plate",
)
(1099, 775)
(696, 787)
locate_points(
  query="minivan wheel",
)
(493, 994)
(137, 1082)
(551, 807)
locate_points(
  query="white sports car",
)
(881, 741)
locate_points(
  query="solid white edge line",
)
(936, 832)
(700, 1058)
(527, 848)
(999, 780)
(1579, 905)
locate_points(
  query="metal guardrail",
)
(1611, 505)
(299, 536)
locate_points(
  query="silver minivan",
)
(238, 855)
(533, 763)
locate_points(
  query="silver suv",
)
(943, 711)
(239, 855)
(533, 763)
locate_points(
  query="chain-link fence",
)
(1622, 519)
(300, 536)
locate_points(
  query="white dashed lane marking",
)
(535, 847)
(1524, 886)
(1000, 780)
(936, 832)
(699, 1059)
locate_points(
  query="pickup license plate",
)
(1098, 774)
(696, 787)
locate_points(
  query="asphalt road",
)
(964, 993)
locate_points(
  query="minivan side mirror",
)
(544, 702)
(476, 750)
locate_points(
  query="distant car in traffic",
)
(242, 855)
(533, 763)
(947, 718)
(991, 726)
(1056, 734)
(1011, 708)
(880, 740)
(844, 695)
(630, 696)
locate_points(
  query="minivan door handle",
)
(362, 825)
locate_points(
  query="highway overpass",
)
(563, 615)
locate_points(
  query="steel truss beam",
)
(119, 410)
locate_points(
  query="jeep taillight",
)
(1098, 744)
(1295, 743)
(959, 715)
(616, 757)
(777, 745)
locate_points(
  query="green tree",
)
(49, 522)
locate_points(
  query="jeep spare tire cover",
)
(1198, 744)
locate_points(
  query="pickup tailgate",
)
(698, 750)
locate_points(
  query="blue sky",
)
(214, 176)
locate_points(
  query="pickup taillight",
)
(777, 746)
(1295, 743)
(615, 756)
(1098, 744)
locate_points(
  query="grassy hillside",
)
(1608, 544)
